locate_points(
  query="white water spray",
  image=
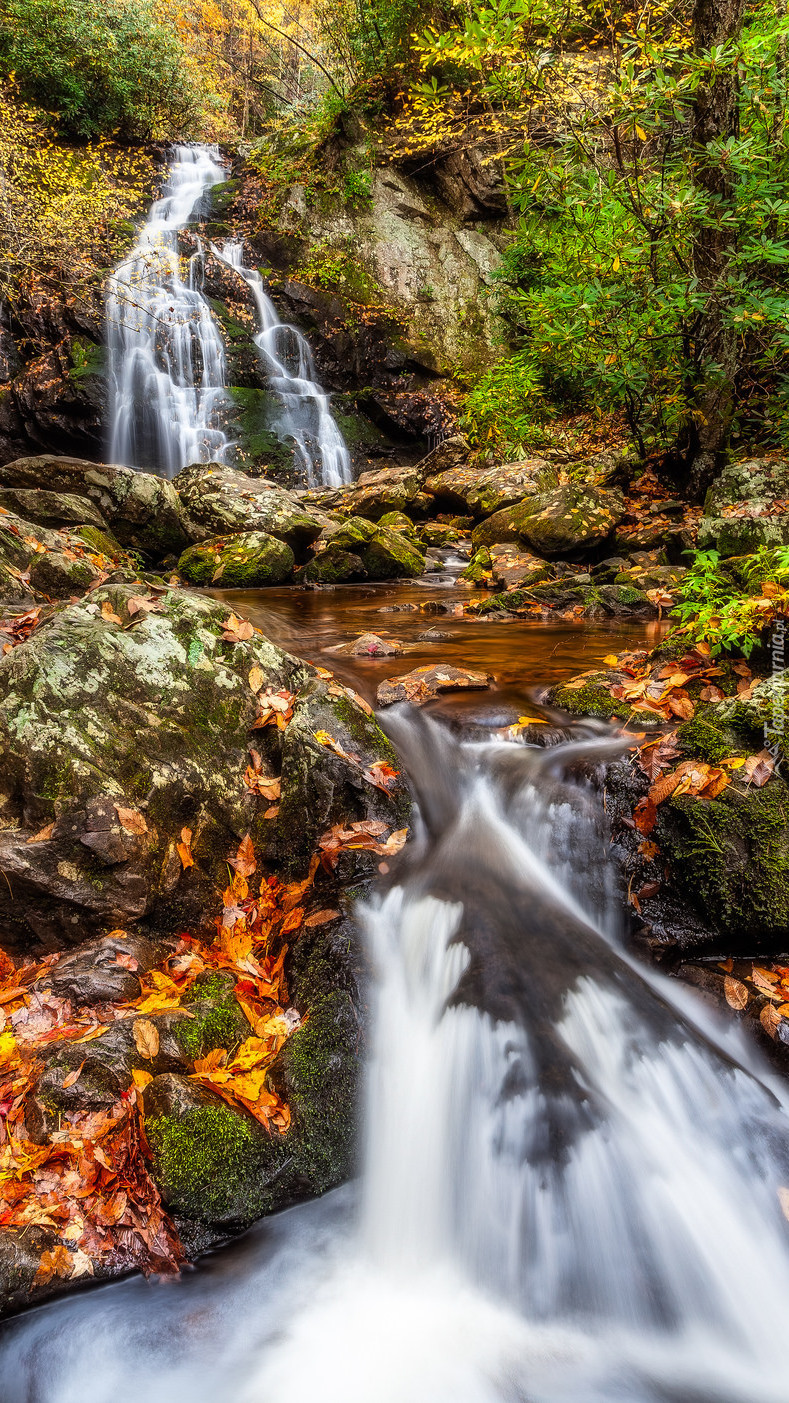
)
(306, 416)
(166, 356)
(570, 1190)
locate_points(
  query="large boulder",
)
(482, 492)
(220, 501)
(142, 509)
(573, 518)
(356, 549)
(247, 561)
(122, 723)
(747, 507)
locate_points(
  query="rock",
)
(434, 635)
(730, 858)
(211, 1162)
(511, 568)
(222, 502)
(51, 509)
(92, 974)
(479, 569)
(142, 509)
(368, 645)
(398, 521)
(425, 683)
(384, 554)
(747, 507)
(121, 736)
(591, 698)
(435, 533)
(58, 576)
(384, 490)
(482, 493)
(250, 560)
(573, 518)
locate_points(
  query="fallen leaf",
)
(184, 848)
(56, 1262)
(131, 820)
(73, 1077)
(770, 1020)
(146, 1038)
(735, 992)
(758, 768)
(256, 678)
(43, 835)
(142, 1079)
(320, 918)
(244, 861)
(108, 613)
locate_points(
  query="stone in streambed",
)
(142, 510)
(384, 554)
(572, 518)
(120, 736)
(511, 568)
(250, 560)
(367, 645)
(466, 488)
(220, 501)
(425, 683)
(92, 974)
(59, 576)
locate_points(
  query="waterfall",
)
(571, 1173)
(306, 417)
(166, 356)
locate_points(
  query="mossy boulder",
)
(398, 521)
(730, 858)
(467, 488)
(573, 518)
(250, 560)
(742, 508)
(478, 570)
(383, 554)
(217, 1019)
(512, 568)
(58, 575)
(591, 698)
(215, 1163)
(220, 501)
(103, 714)
(52, 509)
(141, 509)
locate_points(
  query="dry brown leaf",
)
(770, 1020)
(108, 613)
(735, 992)
(146, 1038)
(73, 1077)
(43, 835)
(244, 862)
(758, 768)
(320, 918)
(131, 820)
(56, 1262)
(256, 678)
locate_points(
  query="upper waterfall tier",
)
(167, 370)
(306, 418)
(166, 356)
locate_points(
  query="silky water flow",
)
(167, 370)
(570, 1173)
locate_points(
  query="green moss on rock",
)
(593, 699)
(211, 1163)
(217, 1019)
(250, 560)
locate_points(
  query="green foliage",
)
(600, 285)
(101, 66)
(719, 602)
(370, 38)
(506, 409)
(357, 189)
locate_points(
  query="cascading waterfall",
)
(570, 1187)
(166, 356)
(306, 416)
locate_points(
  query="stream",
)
(570, 1171)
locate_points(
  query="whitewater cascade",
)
(166, 356)
(571, 1172)
(167, 373)
(306, 416)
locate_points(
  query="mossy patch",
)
(730, 855)
(217, 1020)
(593, 699)
(211, 1163)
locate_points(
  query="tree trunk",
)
(715, 118)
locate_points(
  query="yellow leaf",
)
(146, 1038)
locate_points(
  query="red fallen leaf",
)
(184, 848)
(127, 961)
(244, 861)
(645, 816)
(383, 776)
(648, 889)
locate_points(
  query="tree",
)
(717, 25)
